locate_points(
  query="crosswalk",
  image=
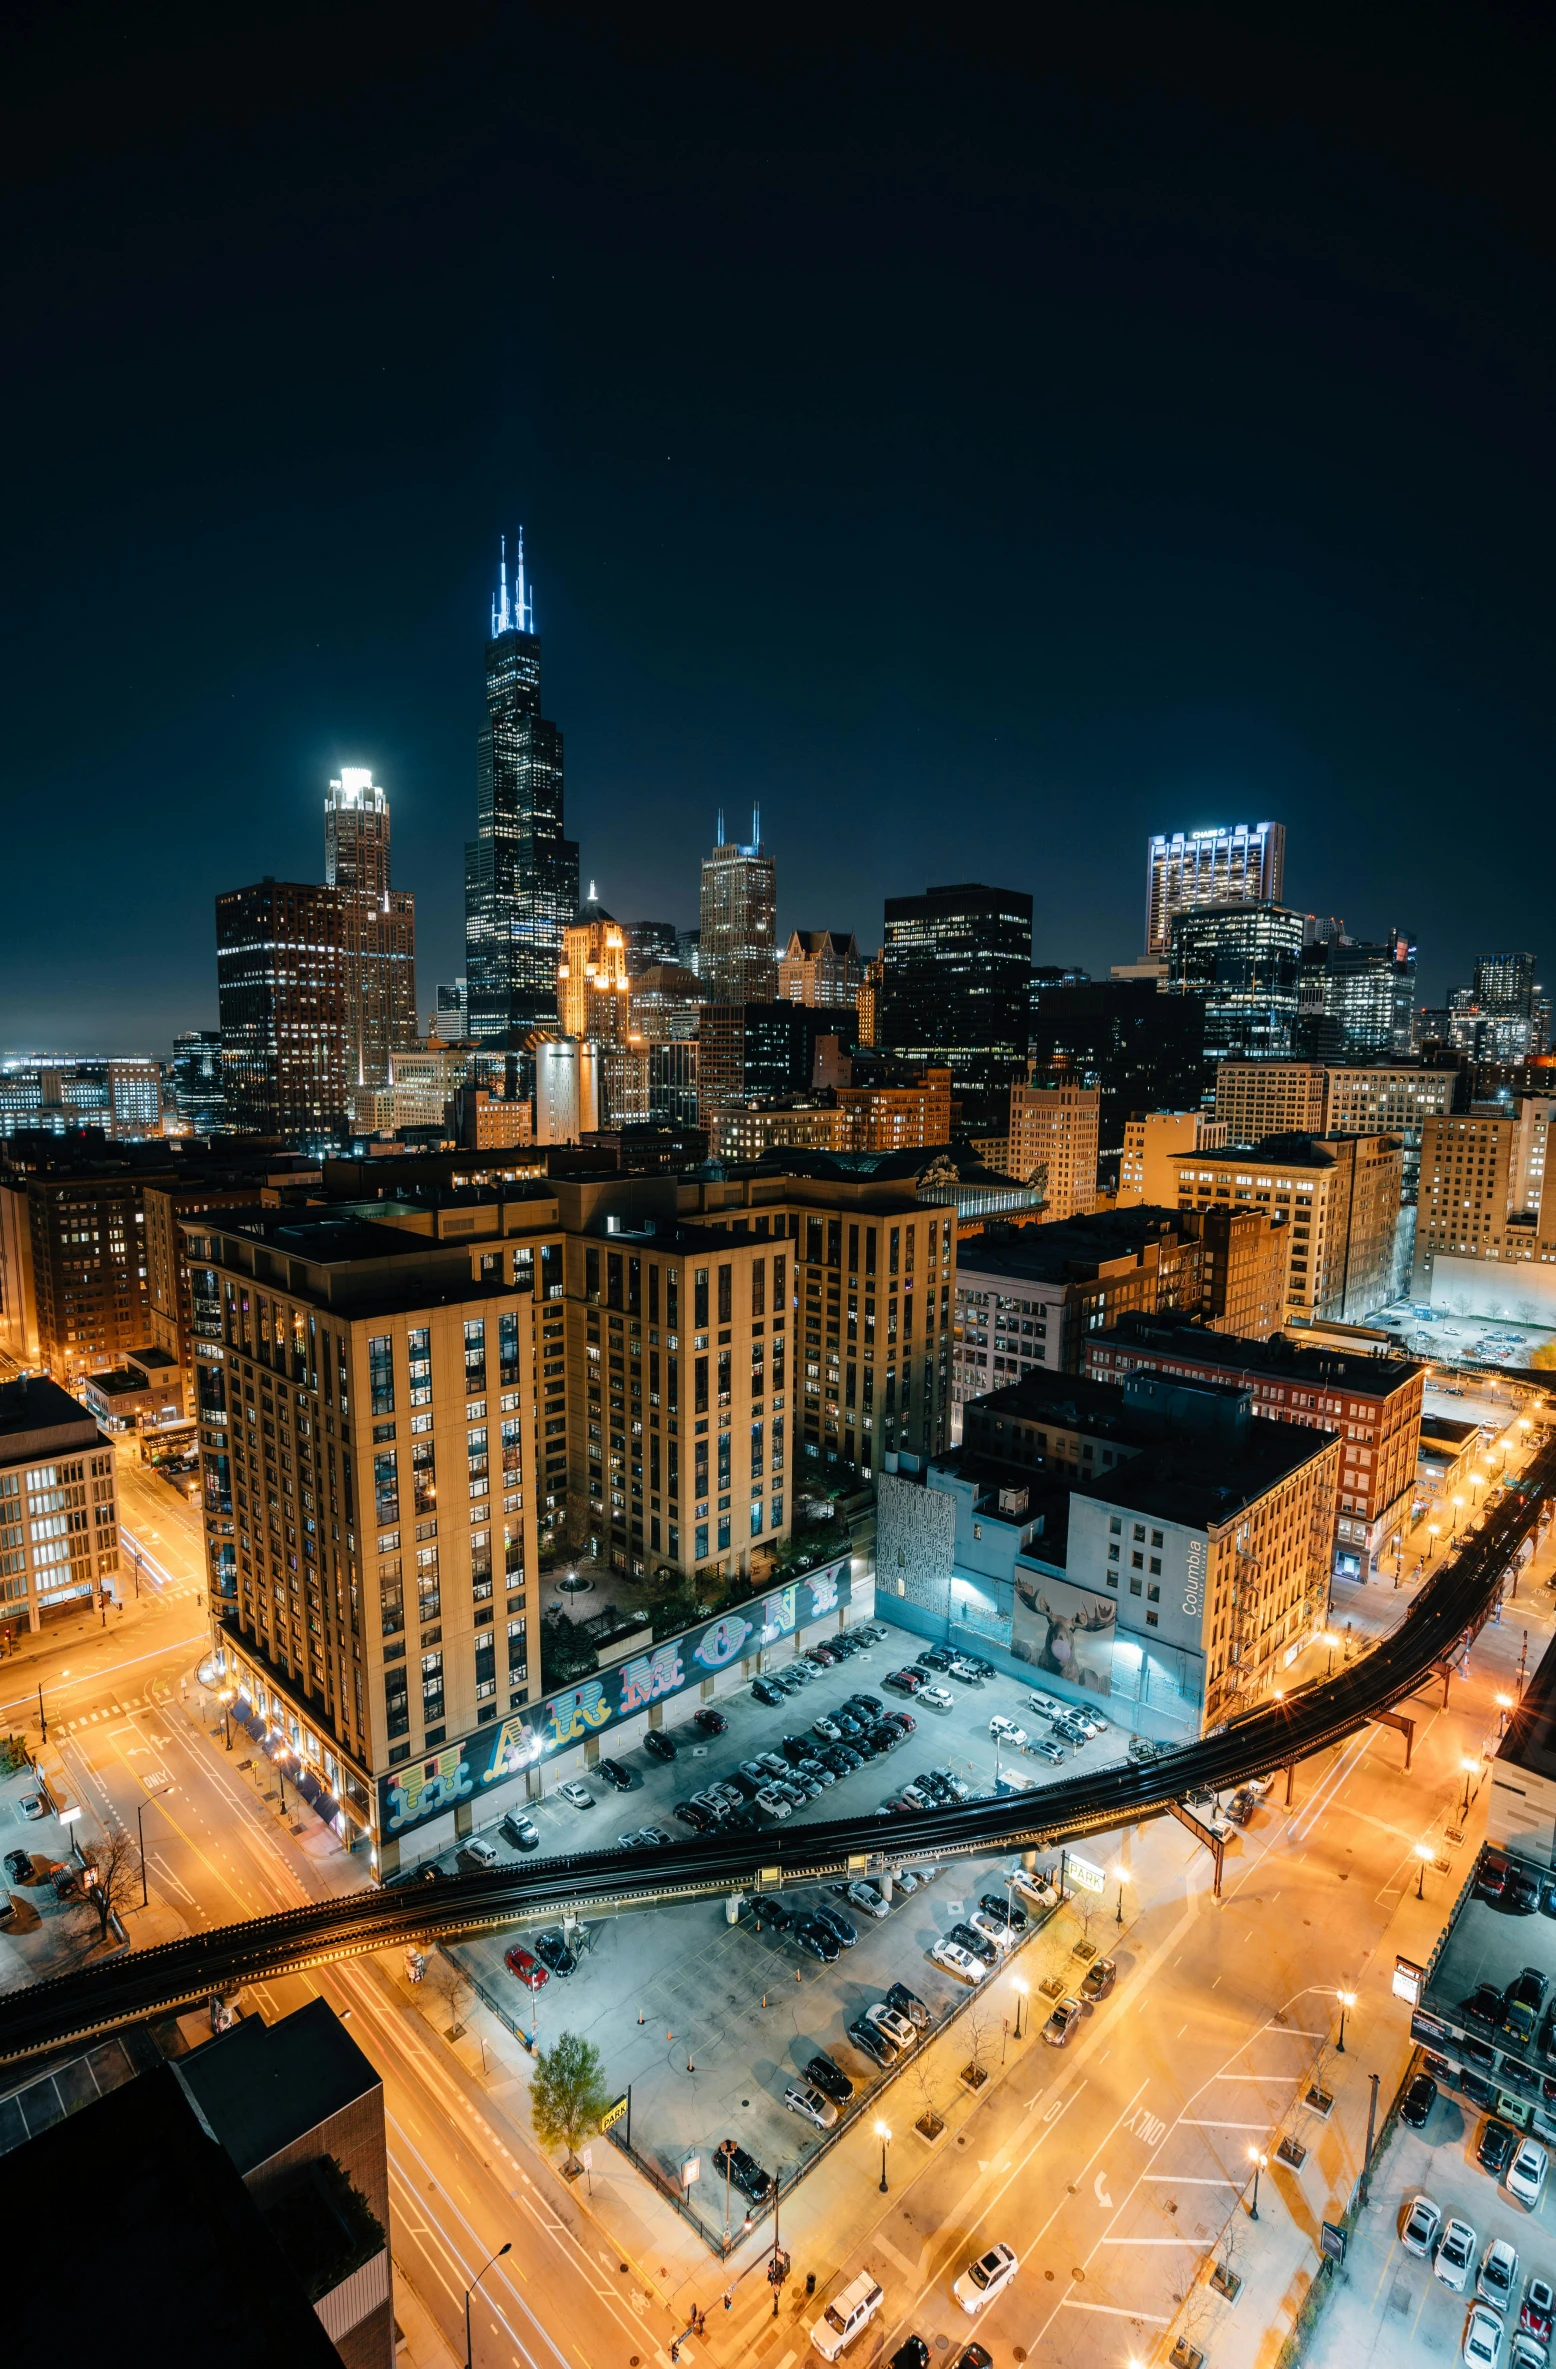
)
(68, 1727)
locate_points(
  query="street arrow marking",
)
(1099, 2189)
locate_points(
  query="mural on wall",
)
(507, 1747)
(1065, 1630)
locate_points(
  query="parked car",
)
(476, 1854)
(1455, 2256)
(1527, 2352)
(1004, 1912)
(770, 1916)
(1495, 2151)
(657, 1835)
(578, 1797)
(1483, 2006)
(817, 1941)
(1421, 2227)
(867, 1900)
(1497, 2283)
(1046, 1749)
(1241, 1806)
(810, 2105)
(746, 2173)
(31, 1805)
(1066, 2015)
(848, 2312)
(872, 2041)
(522, 1832)
(821, 1657)
(1036, 1884)
(552, 1950)
(989, 2276)
(966, 1936)
(935, 1698)
(1482, 2338)
(1524, 1998)
(911, 2353)
(830, 2079)
(1538, 2310)
(869, 1704)
(765, 1692)
(899, 2029)
(1099, 1978)
(973, 2356)
(1522, 1893)
(774, 1804)
(960, 1667)
(614, 1774)
(525, 1967)
(907, 1682)
(1005, 1731)
(951, 1956)
(1491, 1878)
(904, 1721)
(692, 1814)
(18, 1867)
(836, 1922)
(659, 1744)
(1526, 2173)
(711, 1722)
(908, 2003)
(1418, 2101)
(827, 1729)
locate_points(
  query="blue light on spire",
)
(512, 612)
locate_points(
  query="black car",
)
(658, 1745)
(982, 1948)
(886, 1738)
(1483, 2006)
(711, 1722)
(18, 1866)
(841, 1759)
(614, 1774)
(869, 1705)
(908, 2003)
(1524, 1998)
(795, 1749)
(552, 1950)
(1418, 2100)
(817, 1941)
(837, 1923)
(939, 1657)
(973, 2356)
(1521, 1894)
(848, 1727)
(912, 2353)
(770, 1916)
(1004, 1912)
(830, 2079)
(522, 1832)
(873, 2043)
(1495, 2151)
(765, 1692)
(744, 2170)
(693, 1815)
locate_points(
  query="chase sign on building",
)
(471, 1767)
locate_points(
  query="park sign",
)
(613, 2114)
(597, 1706)
(1082, 1872)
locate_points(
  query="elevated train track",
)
(1451, 1605)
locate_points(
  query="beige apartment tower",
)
(1054, 1129)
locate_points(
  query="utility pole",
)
(1372, 2119)
(42, 1719)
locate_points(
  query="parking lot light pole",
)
(1468, 1767)
(1021, 1986)
(883, 2133)
(1424, 1851)
(1347, 2001)
(470, 2290)
(1258, 2161)
(1121, 1872)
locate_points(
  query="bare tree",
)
(110, 1877)
(931, 2114)
(453, 1986)
(977, 2022)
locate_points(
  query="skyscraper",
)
(521, 873)
(820, 967)
(955, 984)
(1357, 1001)
(592, 982)
(1244, 864)
(281, 988)
(378, 928)
(737, 943)
(1244, 962)
(197, 1079)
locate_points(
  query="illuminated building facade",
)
(59, 1518)
(593, 984)
(737, 942)
(521, 872)
(820, 967)
(1244, 864)
(1053, 1142)
(282, 988)
(955, 990)
(378, 929)
(1356, 1001)
(1244, 964)
(198, 1092)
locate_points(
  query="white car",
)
(867, 1900)
(982, 2280)
(1526, 2174)
(1527, 2352)
(1007, 1732)
(810, 2105)
(1421, 2227)
(1001, 1935)
(774, 1803)
(934, 1698)
(1036, 1885)
(1260, 1787)
(577, 1796)
(1455, 2256)
(1482, 2338)
(1045, 1705)
(897, 2028)
(1498, 2280)
(958, 1961)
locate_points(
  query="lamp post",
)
(1423, 1853)
(1020, 1986)
(1504, 1705)
(1258, 2161)
(1458, 1508)
(1347, 2001)
(504, 2248)
(883, 2133)
(140, 1845)
(1468, 1767)
(1120, 1872)
(1433, 1532)
(1331, 1640)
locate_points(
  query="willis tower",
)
(521, 874)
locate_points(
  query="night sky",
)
(981, 454)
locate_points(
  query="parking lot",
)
(1391, 2298)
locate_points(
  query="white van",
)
(846, 2314)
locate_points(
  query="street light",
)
(1347, 2001)
(1504, 1705)
(1468, 1767)
(506, 2247)
(1121, 1873)
(1424, 1852)
(1458, 1508)
(1020, 1985)
(883, 2133)
(1331, 1640)
(1258, 2161)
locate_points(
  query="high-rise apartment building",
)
(1053, 1141)
(521, 871)
(665, 1004)
(1482, 1187)
(59, 1518)
(1259, 1098)
(1356, 1001)
(1340, 1196)
(281, 979)
(378, 929)
(1143, 1049)
(1153, 1141)
(954, 993)
(1504, 982)
(1243, 865)
(73, 1295)
(1390, 1099)
(868, 1002)
(1244, 964)
(198, 1092)
(593, 982)
(451, 1013)
(820, 967)
(737, 942)
(650, 942)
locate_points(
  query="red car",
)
(903, 1719)
(711, 1722)
(905, 1681)
(528, 1968)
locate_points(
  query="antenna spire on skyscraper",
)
(515, 614)
(718, 836)
(756, 823)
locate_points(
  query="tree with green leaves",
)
(568, 2098)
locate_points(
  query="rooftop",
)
(1057, 1253)
(34, 1409)
(1180, 1336)
(260, 2086)
(1204, 1487)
